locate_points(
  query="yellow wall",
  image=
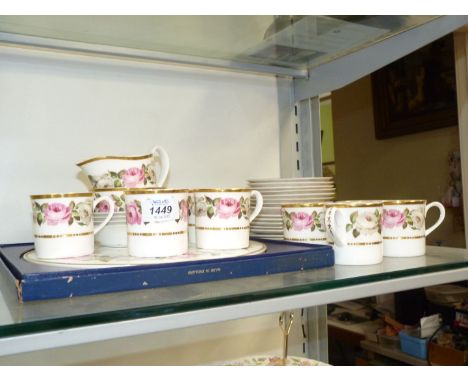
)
(411, 166)
(326, 124)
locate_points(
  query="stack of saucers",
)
(268, 224)
(114, 234)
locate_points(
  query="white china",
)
(63, 224)
(113, 235)
(288, 186)
(277, 192)
(277, 206)
(268, 225)
(105, 257)
(297, 192)
(116, 194)
(289, 180)
(404, 229)
(223, 217)
(304, 222)
(267, 236)
(274, 199)
(266, 230)
(355, 227)
(157, 222)
(113, 221)
(192, 234)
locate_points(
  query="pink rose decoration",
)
(103, 206)
(301, 221)
(228, 207)
(184, 209)
(133, 214)
(133, 177)
(57, 213)
(392, 218)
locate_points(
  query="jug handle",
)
(164, 160)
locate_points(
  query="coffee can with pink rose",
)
(63, 224)
(157, 222)
(404, 229)
(223, 216)
(304, 222)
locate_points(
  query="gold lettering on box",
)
(196, 272)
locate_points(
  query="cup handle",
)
(258, 206)
(441, 217)
(331, 224)
(109, 215)
(164, 159)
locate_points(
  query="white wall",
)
(219, 129)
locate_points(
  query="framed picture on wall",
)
(417, 92)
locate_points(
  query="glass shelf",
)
(283, 45)
(42, 316)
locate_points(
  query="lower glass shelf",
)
(127, 313)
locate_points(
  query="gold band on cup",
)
(156, 233)
(111, 189)
(357, 203)
(299, 205)
(221, 228)
(403, 237)
(222, 190)
(409, 201)
(147, 156)
(63, 235)
(66, 195)
(373, 243)
(293, 239)
(154, 190)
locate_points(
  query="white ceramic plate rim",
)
(305, 197)
(255, 248)
(310, 178)
(292, 184)
(291, 187)
(299, 192)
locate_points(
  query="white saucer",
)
(106, 257)
(296, 191)
(302, 179)
(278, 224)
(267, 231)
(302, 198)
(267, 236)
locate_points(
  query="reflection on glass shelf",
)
(293, 42)
(30, 317)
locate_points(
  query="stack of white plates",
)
(276, 192)
(118, 218)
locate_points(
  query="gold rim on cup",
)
(114, 157)
(66, 195)
(222, 190)
(299, 205)
(402, 201)
(154, 190)
(112, 189)
(357, 203)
